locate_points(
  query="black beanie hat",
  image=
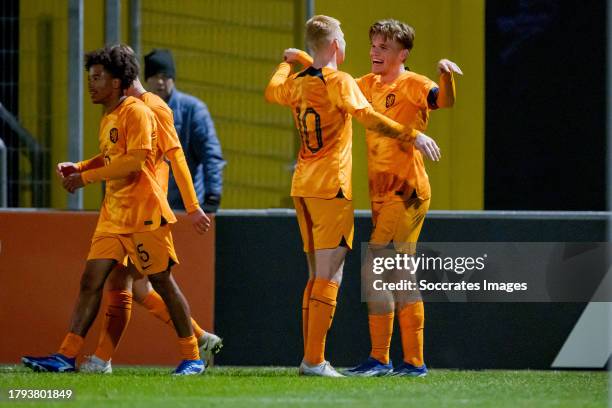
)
(159, 61)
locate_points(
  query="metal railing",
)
(36, 154)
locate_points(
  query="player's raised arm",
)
(293, 55)
(446, 95)
(278, 88)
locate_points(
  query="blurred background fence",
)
(521, 136)
(225, 52)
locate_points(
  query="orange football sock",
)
(71, 345)
(116, 319)
(411, 321)
(189, 348)
(197, 330)
(381, 330)
(322, 306)
(305, 301)
(157, 307)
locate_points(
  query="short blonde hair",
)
(320, 31)
(394, 30)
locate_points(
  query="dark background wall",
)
(9, 77)
(261, 273)
(545, 105)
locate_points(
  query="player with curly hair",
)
(135, 215)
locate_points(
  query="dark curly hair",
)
(119, 60)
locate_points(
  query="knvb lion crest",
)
(390, 100)
(114, 135)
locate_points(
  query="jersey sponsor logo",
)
(390, 100)
(114, 135)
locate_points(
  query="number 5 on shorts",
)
(142, 254)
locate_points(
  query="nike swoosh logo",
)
(145, 267)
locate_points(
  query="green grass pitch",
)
(281, 387)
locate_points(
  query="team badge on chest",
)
(390, 100)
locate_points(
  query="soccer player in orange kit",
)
(135, 215)
(323, 100)
(399, 187)
(125, 281)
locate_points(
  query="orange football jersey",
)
(322, 101)
(396, 169)
(135, 203)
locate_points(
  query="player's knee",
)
(141, 289)
(119, 279)
(380, 307)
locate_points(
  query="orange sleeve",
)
(379, 123)
(183, 179)
(446, 96)
(348, 95)
(167, 138)
(278, 89)
(129, 163)
(304, 58)
(422, 91)
(94, 162)
(354, 102)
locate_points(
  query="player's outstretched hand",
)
(73, 182)
(447, 66)
(200, 221)
(428, 147)
(65, 169)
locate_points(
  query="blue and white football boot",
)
(190, 367)
(55, 363)
(408, 370)
(370, 368)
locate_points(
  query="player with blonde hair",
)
(323, 100)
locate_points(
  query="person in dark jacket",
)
(196, 131)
